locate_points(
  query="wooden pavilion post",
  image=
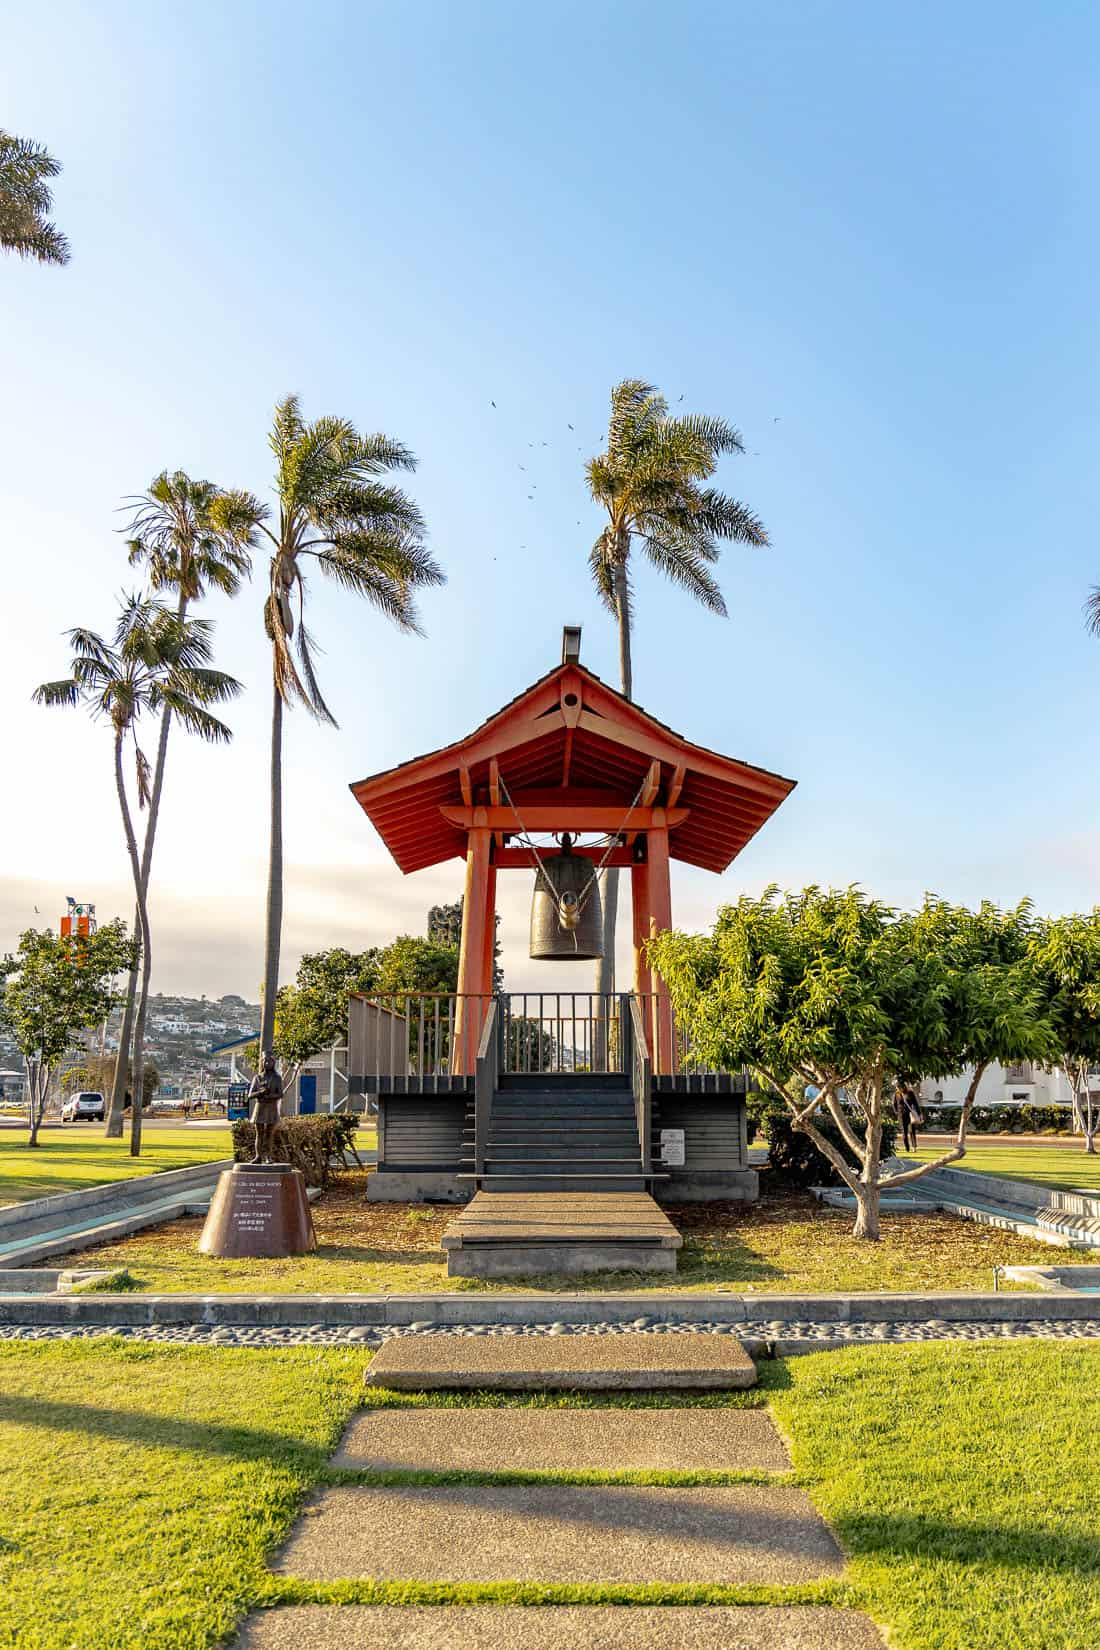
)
(651, 886)
(476, 950)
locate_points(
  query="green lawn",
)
(1041, 1165)
(143, 1489)
(66, 1160)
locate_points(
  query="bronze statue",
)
(265, 1092)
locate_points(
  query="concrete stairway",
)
(561, 1133)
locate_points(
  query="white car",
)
(85, 1107)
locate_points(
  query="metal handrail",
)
(641, 1077)
(486, 1075)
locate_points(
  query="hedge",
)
(1001, 1119)
(309, 1143)
(793, 1159)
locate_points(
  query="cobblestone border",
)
(780, 1338)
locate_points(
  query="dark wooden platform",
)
(501, 1234)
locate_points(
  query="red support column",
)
(660, 918)
(639, 888)
(471, 957)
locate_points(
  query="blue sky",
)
(867, 235)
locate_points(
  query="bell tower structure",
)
(568, 756)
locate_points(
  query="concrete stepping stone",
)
(532, 1363)
(562, 1533)
(560, 1440)
(542, 1627)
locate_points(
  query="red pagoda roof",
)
(570, 741)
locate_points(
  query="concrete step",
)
(560, 1534)
(558, 1627)
(559, 1181)
(562, 1440)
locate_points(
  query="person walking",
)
(909, 1115)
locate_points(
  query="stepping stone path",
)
(617, 1363)
(562, 1440)
(556, 1533)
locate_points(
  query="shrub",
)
(793, 1158)
(1002, 1119)
(307, 1143)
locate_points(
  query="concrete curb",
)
(443, 1311)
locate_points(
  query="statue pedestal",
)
(259, 1211)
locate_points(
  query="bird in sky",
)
(492, 403)
(569, 426)
(775, 420)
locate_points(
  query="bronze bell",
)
(566, 913)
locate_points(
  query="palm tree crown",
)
(365, 533)
(191, 536)
(333, 510)
(154, 662)
(650, 482)
(25, 200)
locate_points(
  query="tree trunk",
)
(867, 1210)
(113, 1127)
(274, 934)
(143, 921)
(609, 882)
(36, 1092)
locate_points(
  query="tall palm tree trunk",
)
(274, 935)
(129, 1030)
(113, 1126)
(143, 922)
(609, 882)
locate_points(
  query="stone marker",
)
(541, 1363)
(543, 1627)
(259, 1211)
(557, 1533)
(550, 1440)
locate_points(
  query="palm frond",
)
(1092, 611)
(66, 693)
(681, 562)
(316, 699)
(727, 518)
(601, 568)
(25, 200)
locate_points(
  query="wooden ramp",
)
(505, 1234)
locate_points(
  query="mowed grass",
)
(72, 1158)
(144, 1489)
(1058, 1166)
(785, 1244)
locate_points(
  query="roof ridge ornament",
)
(571, 644)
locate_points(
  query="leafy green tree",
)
(55, 987)
(337, 514)
(312, 1014)
(25, 201)
(155, 661)
(834, 997)
(651, 482)
(190, 537)
(1065, 951)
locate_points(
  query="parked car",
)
(84, 1107)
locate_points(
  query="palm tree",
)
(333, 511)
(25, 200)
(190, 536)
(650, 483)
(154, 662)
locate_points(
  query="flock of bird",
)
(597, 444)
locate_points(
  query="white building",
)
(1022, 1085)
